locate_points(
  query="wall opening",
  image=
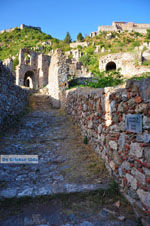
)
(28, 79)
(110, 66)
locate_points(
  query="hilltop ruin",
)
(122, 26)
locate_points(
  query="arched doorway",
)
(110, 66)
(28, 79)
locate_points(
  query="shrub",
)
(146, 63)
(106, 79)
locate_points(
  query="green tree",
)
(80, 37)
(67, 38)
(148, 34)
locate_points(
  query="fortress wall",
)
(144, 26)
(106, 28)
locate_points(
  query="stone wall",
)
(13, 99)
(101, 114)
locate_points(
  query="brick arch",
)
(111, 65)
(29, 79)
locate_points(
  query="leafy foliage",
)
(146, 63)
(106, 79)
(11, 42)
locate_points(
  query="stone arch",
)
(110, 66)
(29, 79)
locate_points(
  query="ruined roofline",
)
(29, 26)
(21, 27)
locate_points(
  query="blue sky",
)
(56, 17)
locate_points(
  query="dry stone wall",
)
(101, 115)
(13, 99)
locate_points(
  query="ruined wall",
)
(13, 99)
(58, 75)
(7, 30)
(76, 44)
(101, 114)
(126, 61)
(107, 28)
(29, 26)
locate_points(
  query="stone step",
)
(55, 189)
(39, 101)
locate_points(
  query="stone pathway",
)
(66, 165)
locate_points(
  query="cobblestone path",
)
(66, 165)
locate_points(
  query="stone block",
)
(112, 106)
(112, 165)
(136, 150)
(144, 138)
(144, 196)
(90, 124)
(147, 154)
(113, 145)
(138, 175)
(121, 141)
(116, 157)
(146, 171)
(144, 88)
(125, 165)
(99, 128)
(132, 181)
(120, 107)
(146, 122)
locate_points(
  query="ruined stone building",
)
(130, 64)
(122, 26)
(32, 72)
(34, 69)
(21, 27)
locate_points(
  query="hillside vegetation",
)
(11, 42)
(114, 42)
(111, 43)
